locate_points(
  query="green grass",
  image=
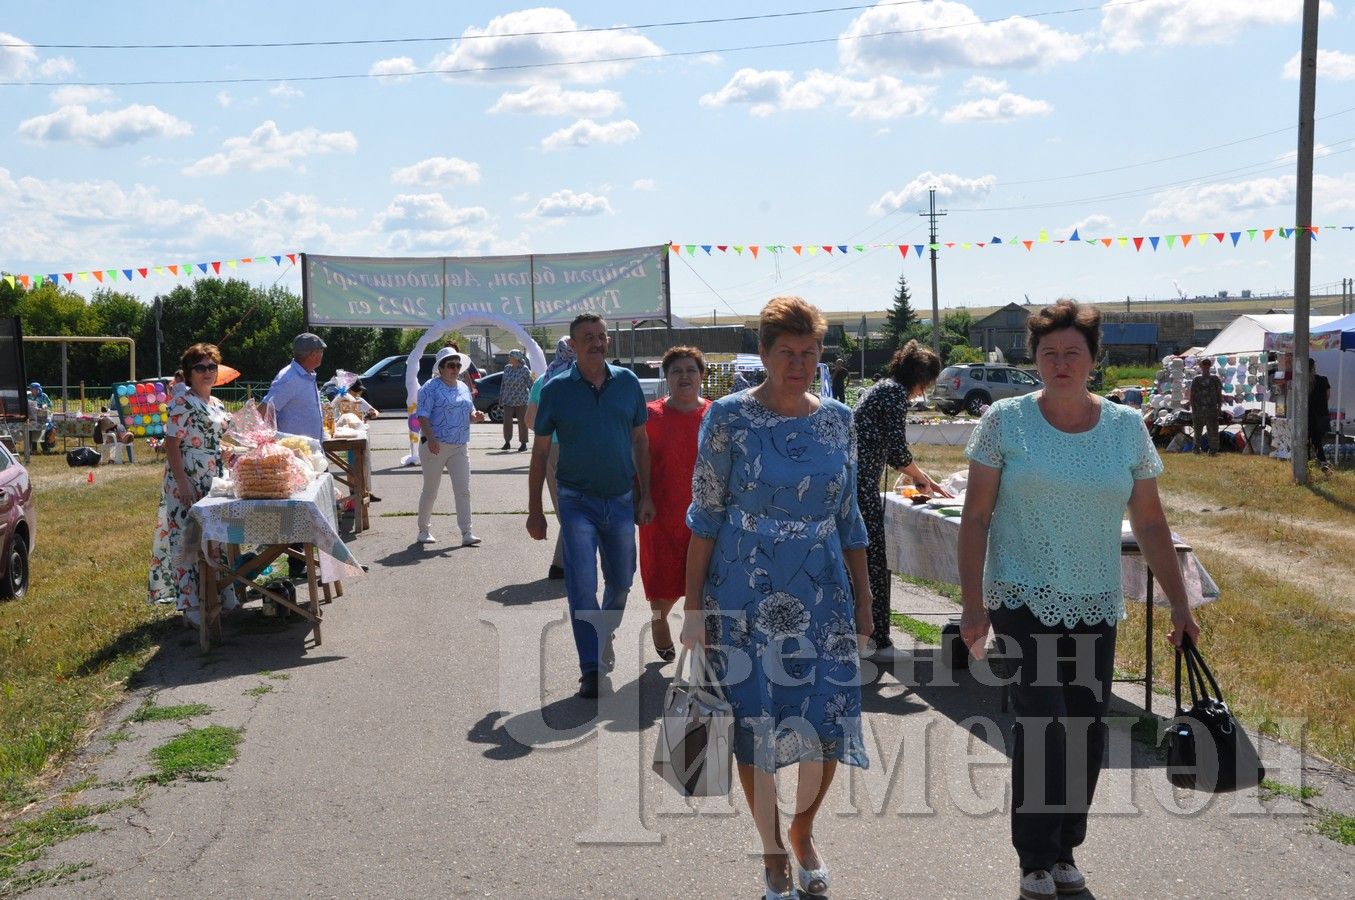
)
(118, 737)
(196, 752)
(26, 840)
(923, 631)
(1338, 827)
(276, 676)
(1271, 788)
(1117, 376)
(949, 591)
(259, 690)
(152, 713)
(68, 648)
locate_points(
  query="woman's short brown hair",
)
(196, 354)
(1065, 314)
(789, 316)
(914, 365)
(676, 353)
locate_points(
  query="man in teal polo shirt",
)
(597, 411)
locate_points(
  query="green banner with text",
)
(539, 289)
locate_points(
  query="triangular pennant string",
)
(1235, 236)
(1138, 244)
(1152, 239)
(1185, 240)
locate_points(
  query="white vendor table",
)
(924, 543)
(951, 434)
(306, 518)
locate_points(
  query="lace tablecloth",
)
(307, 517)
(923, 543)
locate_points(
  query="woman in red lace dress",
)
(672, 425)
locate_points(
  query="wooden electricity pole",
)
(1303, 244)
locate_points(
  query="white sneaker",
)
(426, 537)
(1038, 885)
(1067, 879)
(469, 540)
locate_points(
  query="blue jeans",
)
(591, 526)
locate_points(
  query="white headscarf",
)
(564, 358)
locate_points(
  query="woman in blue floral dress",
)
(196, 421)
(775, 531)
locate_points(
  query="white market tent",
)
(1247, 334)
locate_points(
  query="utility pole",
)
(1303, 246)
(932, 215)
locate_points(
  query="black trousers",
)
(1060, 697)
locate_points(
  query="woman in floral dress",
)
(193, 459)
(775, 531)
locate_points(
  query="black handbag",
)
(1207, 750)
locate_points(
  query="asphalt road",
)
(433, 747)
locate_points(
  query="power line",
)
(1162, 159)
(518, 67)
(1211, 178)
(360, 42)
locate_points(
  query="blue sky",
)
(1120, 119)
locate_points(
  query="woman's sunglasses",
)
(451, 362)
(205, 367)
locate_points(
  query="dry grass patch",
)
(69, 646)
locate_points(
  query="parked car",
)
(972, 386)
(18, 524)
(385, 381)
(487, 401)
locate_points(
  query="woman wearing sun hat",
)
(445, 410)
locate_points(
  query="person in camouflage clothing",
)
(1206, 398)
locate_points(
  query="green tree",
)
(902, 319)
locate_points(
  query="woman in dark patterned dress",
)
(880, 418)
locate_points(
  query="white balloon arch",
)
(536, 358)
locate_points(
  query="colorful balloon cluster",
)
(144, 407)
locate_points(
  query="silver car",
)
(973, 386)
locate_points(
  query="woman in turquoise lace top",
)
(1050, 477)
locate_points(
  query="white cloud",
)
(286, 91)
(438, 171)
(1319, 150)
(765, 92)
(980, 84)
(505, 42)
(928, 38)
(1331, 64)
(19, 59)
(949, 186)
(268, 148)
(111, 128)
(1127, 27)
(586, 132)
(426, 212)
(395, 69)
(93, 221)
(644, 184)
(1091, 226)
(1204, 202)
(56, 67)
(1004, 108)
(552, 100)
(568, 203)
(224, 99)
(17, 56)
(74, 93)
